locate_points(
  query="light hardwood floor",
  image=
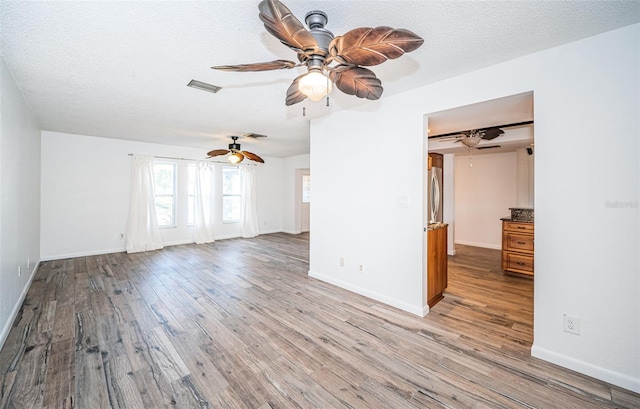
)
(239, 324)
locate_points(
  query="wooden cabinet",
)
(517, 247)
(435, 160)
(436, 263)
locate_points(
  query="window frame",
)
(306, 193)
(174, 194)
(226, 195)
(191, 194)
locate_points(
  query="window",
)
(231, 194)
(191, 191)
(165, 190)
(306, 188)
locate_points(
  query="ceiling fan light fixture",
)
(315, 85)
(471, 141)
(235, 157)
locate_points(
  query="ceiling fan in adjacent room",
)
(329, 60)
(472, 138)
(237, 155)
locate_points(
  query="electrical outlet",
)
(19, 270)
(572, 324)
(361, 268)
(121, 236)
(28, 262)
(341, 261)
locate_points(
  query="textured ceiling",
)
(120, 69)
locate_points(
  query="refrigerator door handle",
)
(434, 190)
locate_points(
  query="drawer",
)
(519, 263)
(521, 227)
(519, 242)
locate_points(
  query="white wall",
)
(289, 167)
(20, 204)
(586, 182)
(85, 194)
(484, 193)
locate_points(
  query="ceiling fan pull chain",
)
(328, 90)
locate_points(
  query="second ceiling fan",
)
(329, 59)
(237, 155)
(472, 138)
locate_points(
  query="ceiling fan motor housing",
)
(316, 20)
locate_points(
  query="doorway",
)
(302, 200)
(482, 181)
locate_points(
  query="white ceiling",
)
(120, 69)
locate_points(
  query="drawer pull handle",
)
(520, 263)
(521, 242)
(520, 227)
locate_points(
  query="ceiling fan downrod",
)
(234, 146)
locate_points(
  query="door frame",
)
(297, 213)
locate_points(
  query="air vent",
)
(204, 86)
(488, 147)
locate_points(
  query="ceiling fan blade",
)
(218, 152)
(254, 135)
(252, 156)
(449, 138)
(357, 81)
(259, 66)
(240, 155)
(492, 133)
(282, 24)
(372, 46)
(293, 93)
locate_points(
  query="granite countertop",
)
(521, 214)
(509, 219)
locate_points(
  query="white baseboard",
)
(123, 249)
(177, 243)
(16, 308)
(615, 378)
(83, 254)
(271, 231)
(483, 245)
(425, 310)
(413, 309)
(291, 231)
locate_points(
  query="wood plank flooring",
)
(239, 324)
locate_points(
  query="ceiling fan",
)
(471, 138)
(237, 155)
(329, 59)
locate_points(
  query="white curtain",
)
(249, 212)
(203, 203)
(143, 233)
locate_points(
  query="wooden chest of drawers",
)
(517, 247)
